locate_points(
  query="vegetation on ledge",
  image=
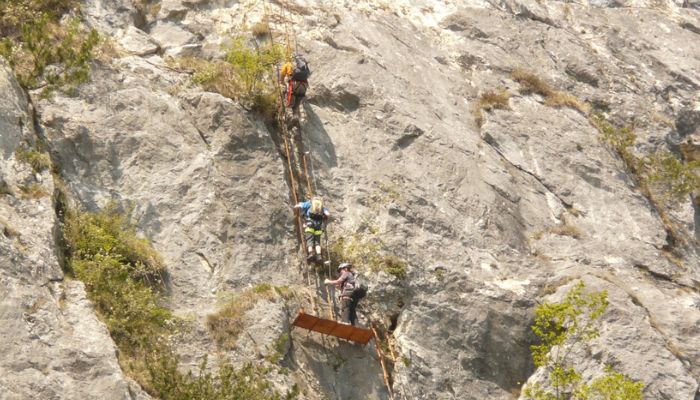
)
(124, 278)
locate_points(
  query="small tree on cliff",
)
(561, 327)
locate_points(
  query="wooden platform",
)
(332, 328)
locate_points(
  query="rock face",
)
(53, 346)
(491, 219)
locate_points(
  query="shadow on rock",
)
(318, 141)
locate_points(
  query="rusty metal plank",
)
(343, 331)
(361, 335)
(305, 321)
(333, 328)
(325, 326)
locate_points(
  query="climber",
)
(348, 298)
(315, 215)
(294, 75)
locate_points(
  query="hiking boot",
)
(310, 258)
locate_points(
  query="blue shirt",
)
(306, 208)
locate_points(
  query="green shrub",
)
(129, 307)
(663, 178)
(50, 54)
(122, 275)
(279, 349)
(37, 160)
(15, 14)
(254, 66)
(245, 75)
(247, 383)
(670, 178)
(110, 233)
(566, 325)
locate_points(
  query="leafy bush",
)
(129, 307)
(669, 177)
(38, 161)
(564, 326)
(254, 66)
(662, 176)
(49, 53)
(109, 233)
(245, 75)
(247, 383)
(120, 272)
(15, 14)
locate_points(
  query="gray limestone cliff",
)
(393, 143)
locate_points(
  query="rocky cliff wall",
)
(475, 210)
(53, 345)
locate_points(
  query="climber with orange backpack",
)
(294, 75)
(315, 218)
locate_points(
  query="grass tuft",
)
(370, 252)
(532, 84)
(488, 101)
(33, 191)
(213, 76)
(260, 30)
(229, 322)
(8, 230)
(37, 160)
(564, 229)
(562, 99)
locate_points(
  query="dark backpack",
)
(301, 70)
(360, 290)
